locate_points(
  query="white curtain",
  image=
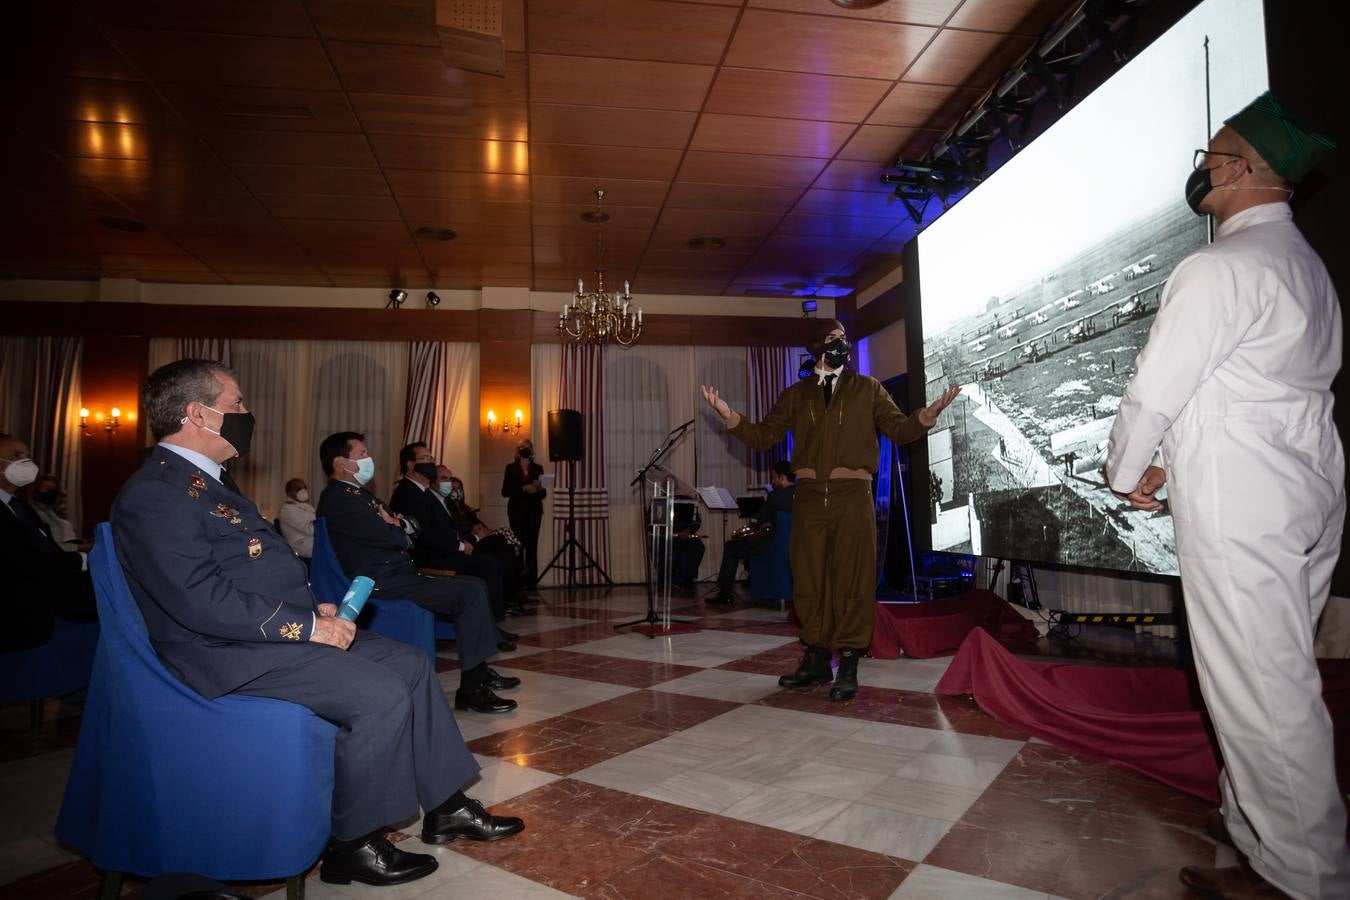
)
(40, 387)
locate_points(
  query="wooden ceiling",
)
(306, 141)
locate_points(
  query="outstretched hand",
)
(716, 402)
(929, 414)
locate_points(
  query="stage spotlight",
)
(808, 307)
(432, 300)
(396, 298)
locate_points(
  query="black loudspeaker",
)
(564, 435)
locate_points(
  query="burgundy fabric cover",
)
(937, 627)
(1146, 719)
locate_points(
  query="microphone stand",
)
(654, 462)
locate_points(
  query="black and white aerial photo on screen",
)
(1038, 291)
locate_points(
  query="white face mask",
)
(365, 470)
(302, 495)
(21, 472)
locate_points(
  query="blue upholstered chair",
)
(398, 620)
(771, 572)
(59, 667)
(164, 780)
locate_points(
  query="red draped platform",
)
(1149, 719)
(937, 627)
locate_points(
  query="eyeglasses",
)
(1202, 157)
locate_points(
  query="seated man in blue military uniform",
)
(229, 610)
(372, 541)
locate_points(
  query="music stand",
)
(651, 619)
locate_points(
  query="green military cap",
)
(1289, 147)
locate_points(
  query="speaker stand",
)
(572, 546)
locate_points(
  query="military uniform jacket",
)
(364, 542)
(224, 597)
(436, 542)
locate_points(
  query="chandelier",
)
(594, 317)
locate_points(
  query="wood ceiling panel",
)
(472, 276)
(451, 154)
(923, 104)
(1029, 17)
(740, 168)
(139, 178)
(604, 162)
(677, 284)
(409, 277)
(448, 254)
(279, 18)
(619, 242)
(825, 44)
(262, 109)
(618, 191)
(788, 137)
(853, 175)
(405, 69)
(247, 223)
(384, 22)
(460, 215)
(569, 216)
(697, 195)
(879, 144)
(324, 232)
(675, 239)
(971, 58)
(835, 226)
(719, 222)
(463, 186)
(639, 84)
(699, 261)
(360, 258)
(877, 205)
(197, 58)
(249, 254)
(320, 206)
(611, 127)
(285, 279)
(290, 148)
(344, 182)
(794, 95)
(104, 140)
(105, 100)
(640, 29)
(476, 233)
(442, 117)
(922, 12)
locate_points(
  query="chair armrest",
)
(443, 573)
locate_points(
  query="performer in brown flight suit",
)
(835, 417)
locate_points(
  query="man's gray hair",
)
(171, 388)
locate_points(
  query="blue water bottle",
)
(355, 598)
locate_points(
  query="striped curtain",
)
(582, 387)
(214, 349)
(40, 380)
(424, 412)
(772, 371)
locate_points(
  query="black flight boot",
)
(812, 670)
(846, 679)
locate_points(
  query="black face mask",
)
(48, 498)
(426, 470)
(837, 352)
(237, 428)
(1198, 185)
(526, 452)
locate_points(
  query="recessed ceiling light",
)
(858, 4)
(705, 242)
(437, 232)
(116, 223)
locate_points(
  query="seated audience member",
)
(229, 610)
(297, 518)
(437, 544)
(501, 542)
(737, 549)
(49, 501)
(370, 540)
(43, 579)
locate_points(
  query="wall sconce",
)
(493, 428)
(110, 423)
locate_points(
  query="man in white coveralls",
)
(1234, 383)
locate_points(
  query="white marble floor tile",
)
(474, 725)
(500, 780)
(488, 881)
(911, 677)
(795, 744)
(761, 768)
(960, 771)
(704, 648)
(975, 746)
(926, 798)
(900, 737)
(833, 781)
(882, 830)
(634, 772)
(702, 790)
(698, 747)
(868, 757)
(722, 684)
(935, 883)
(541, 622)
(786, 810)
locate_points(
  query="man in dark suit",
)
(525, 504)
(437, 543)
(370, 540)
(45, 579)
(229, 610)
(734, 550)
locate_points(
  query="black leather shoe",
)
(376, 862)
(499, 682)
(481, 699)
(505, 646)
(470, 821)
(813, 669)
(507, 635)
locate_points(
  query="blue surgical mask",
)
(445, 487)
(365, 470)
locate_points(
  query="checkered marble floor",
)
(675, 767)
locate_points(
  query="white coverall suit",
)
(1234, 382)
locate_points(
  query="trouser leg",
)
(463, 600)
(833, 555)
(809, 546)
(733, 552)
(486, 567)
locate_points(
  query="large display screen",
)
(1038, 289)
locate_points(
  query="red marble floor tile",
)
(1040, 770)
(660, 877)
(594, 667)
(1031, 862)
(837, 872)
(873, 705)
(1112, 832)
(1059, 817)
(1092, 874)
(565, 744)
(573, 634)
(778, 661)
(658, 710)
(562, 802)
